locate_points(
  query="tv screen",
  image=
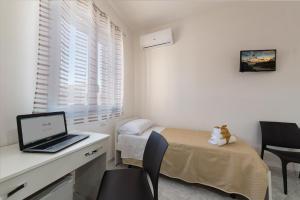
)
(258, 60)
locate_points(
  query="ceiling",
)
(147, 14)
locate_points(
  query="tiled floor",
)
(293, 185)
(170, 189)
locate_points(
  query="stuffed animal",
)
(221, 136)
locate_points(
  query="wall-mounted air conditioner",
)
(163, 37)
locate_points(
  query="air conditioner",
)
(163, 37)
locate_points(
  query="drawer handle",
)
(95, 151)
(92, 152)
(20, 187)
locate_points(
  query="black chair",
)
(280, 134)
(132, 184)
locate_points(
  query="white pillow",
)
(135, 127)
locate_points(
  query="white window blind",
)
(80, 61)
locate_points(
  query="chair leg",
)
(263, 147)
(284, 175)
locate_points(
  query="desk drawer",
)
(32, 181)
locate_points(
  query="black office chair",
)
(132, 184)
(280, 134)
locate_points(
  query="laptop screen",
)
(41, 127)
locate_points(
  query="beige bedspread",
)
(234, 168)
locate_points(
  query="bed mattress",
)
(133, 146)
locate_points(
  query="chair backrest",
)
(280, 134)
(153, 155)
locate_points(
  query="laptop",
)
(45, 133)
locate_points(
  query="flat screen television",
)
(258, 60)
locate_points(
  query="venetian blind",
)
(80, 61)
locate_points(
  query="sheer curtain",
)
(80, 61)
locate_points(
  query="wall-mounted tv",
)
(258, 60)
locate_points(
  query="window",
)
(80, 61)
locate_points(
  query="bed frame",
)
(118, 159)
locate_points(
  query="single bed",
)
(235, 168)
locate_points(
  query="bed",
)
(234, 168)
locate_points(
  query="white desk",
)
(36, 170)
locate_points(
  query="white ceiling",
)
(148, 14)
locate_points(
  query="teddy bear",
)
(221, 136)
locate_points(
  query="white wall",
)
(18, 36)
(196, 82)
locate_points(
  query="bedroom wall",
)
(17, 57)
(196, 82)
(18, 39)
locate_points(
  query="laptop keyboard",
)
(69, 139)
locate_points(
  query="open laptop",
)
(45, 133)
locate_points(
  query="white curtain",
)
(80, 61)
